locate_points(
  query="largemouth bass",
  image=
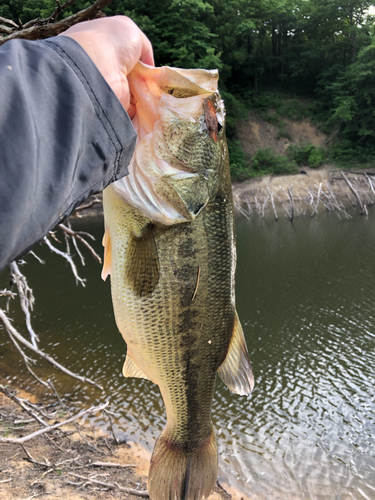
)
(170, 249)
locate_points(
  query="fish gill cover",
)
(173, 107)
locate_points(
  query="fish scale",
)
(173, 284)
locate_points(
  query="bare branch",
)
(22, 404)
(87, 205)
(8, 21)
(6, 29)
(50, 428)
(68, 258)
(41, 261)
(78, 236)
(26, 359)
(7, 293)
(18, 336)
(43, 28)
(110, 464)
(354, 191)
(273, 203)
(26, 298)
(111, 486)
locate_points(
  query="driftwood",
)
(37, 29)
(354, 191)
(273, 203)
(332, 195)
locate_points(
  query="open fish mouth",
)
(179, 121)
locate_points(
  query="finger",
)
(131, 111)
(147, 54)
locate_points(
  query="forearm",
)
(63, 136)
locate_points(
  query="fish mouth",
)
(179, 121)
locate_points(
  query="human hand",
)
(115, 44)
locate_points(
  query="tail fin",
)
(179, 475)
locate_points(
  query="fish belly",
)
(178, 335)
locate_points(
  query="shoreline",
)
(305, 193)
(77, 462)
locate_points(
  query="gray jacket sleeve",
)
(64, 135)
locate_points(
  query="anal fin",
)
(236, 371)
(131, 369)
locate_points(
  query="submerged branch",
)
(332, 194)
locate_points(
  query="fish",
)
(170, 251)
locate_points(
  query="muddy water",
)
(306, 298)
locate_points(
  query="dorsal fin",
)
(235, 371)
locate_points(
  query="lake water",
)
(306, 299)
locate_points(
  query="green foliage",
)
(283, 132)
(293, 109)
(266, 161)
(239, 168)
(268, 52)
(353, 97)
(234, 110)
(347, 154)
(306, 155)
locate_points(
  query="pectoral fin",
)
(142, 263)
(131, 369)
(107, 255)
(235, 371)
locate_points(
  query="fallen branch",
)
(110, 464)
(22, 404)
(111, 486)
(24, 439)
(112, 429)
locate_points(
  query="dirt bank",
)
(278, 184)
(256, 133)
(85, 466)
